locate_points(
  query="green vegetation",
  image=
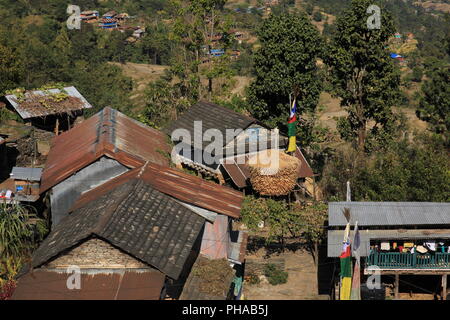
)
(20, 232)
(435, 103)
(281, 72)
(275, 275)
(363, 75)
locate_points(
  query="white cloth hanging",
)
(385, 246)
(431, 245)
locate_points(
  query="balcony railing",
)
(397, 260)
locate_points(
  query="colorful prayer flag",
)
(346, 266)
(292, 128)
(356, 281)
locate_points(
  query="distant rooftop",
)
(23, 173)
(33, 104)
(390, 213)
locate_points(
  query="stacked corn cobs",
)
(273, 173)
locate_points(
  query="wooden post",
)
(444, 287)
(57, 126)
(221, 179)
(397, 283)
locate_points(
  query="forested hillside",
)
(373, 144)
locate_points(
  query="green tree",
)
(362, 73)
(11, 71)
(417, 74)
(407, 171)
(434, 106)
(313, 218)
(281, 221)
(317, 16)
(285, 65)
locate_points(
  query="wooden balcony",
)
(398, 261)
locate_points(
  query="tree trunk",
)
(362, 135)
(316, 254)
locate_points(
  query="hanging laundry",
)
(421, 249)
(385, 246)
(430, 245)
(408, 244)
(400, 248)
(394, 245)
(413, 250)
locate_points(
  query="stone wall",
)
(96, 253)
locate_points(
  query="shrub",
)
(275, 275)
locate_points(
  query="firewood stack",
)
(273, 173)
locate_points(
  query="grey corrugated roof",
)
(335, 238)
(390, 213)
(212, 116)
(23, 173)
(136, 218)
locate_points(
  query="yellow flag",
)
(346, 288)
(292, 144)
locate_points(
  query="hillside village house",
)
(51, 110)
(230, 166)
(138, 234)
(104, 146)
(397, 238)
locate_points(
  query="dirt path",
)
(302, 281)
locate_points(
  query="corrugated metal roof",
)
(179, 185)
(32, 108)
(120, 285)
(194, 190)
(216, 239)
(108, 133)
(237, 247)
(135, 218)
(335, 237)
(23, 173)
(212, 116)
(390, 213)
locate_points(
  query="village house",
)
(109, 21)
(26, 183)
(90, 16)
(102, 147)
(51, 109)
(139, 235)
(230, 167)
(396, 239)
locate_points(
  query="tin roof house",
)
(139, 235)
(102, 147)
(396, 238)
(242, 137)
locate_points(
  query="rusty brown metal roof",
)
(32, 105)
(108, 133)
(179, 185)
(122, 285)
